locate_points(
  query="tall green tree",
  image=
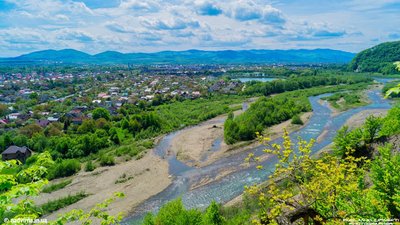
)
(101, 113)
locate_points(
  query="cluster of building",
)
(106, 90)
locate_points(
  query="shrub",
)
(90, 166)
(107, 160)
(54, 187)
(297, 120)
(55, 205)
(64, 168)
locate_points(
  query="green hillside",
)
(381, 58)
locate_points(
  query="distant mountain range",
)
(70, 56)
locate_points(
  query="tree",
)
(386, 178)
(30, 130)
(101, 113)
(318, 191)
(174, 213)
(88, 126)
(297, 120)
(3, 110)
(103, 124)
(212, 215)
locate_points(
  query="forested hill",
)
(380, 58)
(70, 56)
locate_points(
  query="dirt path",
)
(149, 176)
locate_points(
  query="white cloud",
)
(152, 25)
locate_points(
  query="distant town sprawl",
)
(48, 96)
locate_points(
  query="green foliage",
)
(90, 166)
(386, 178)
(54, 187)
(174, 213)
(3, 110)
(17, 188)
(29, 181)
(101, 113)
(99, 212)
(391, 123)
(326, 190)
(263, 113)
(397, 64)
(64, 168)
(107, 160)
(393, 92)
(388, 86)
(132, 128)
(266, 112)
(60, 203)
(345, 100)
(213, 215)
(231, 131)
(357, 141)
(303, 82)
(297, 120)
(380, 58)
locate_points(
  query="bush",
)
(107, 160)
(54, 187)
(90, 166)
(55, 205)
(297, 120)
(64, 168)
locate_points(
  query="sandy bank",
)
(359, 118)
(195, 146)
(149, 176)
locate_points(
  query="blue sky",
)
(94, 26)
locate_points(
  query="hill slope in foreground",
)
(380, 58)
(70, 56)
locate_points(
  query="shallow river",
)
(228, 187)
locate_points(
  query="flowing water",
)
(222, 189)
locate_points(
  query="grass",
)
(90, 166)
(345, 100)
(60, 203)
(123, 178)
(54, 187)
(107, 160)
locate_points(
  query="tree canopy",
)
(380, 58)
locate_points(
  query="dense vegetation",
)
(128, 133)
(269, 111)
(345, 100)
(353, 184)
(263, 113)
(380, 58)
(18, 184)
(296, 83)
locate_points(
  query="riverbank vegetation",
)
(345, 100)
(296, 83)
(17, 192)
(358, 182)
(57, 186)
(57, 204)
(268, 111)
(104, 137)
